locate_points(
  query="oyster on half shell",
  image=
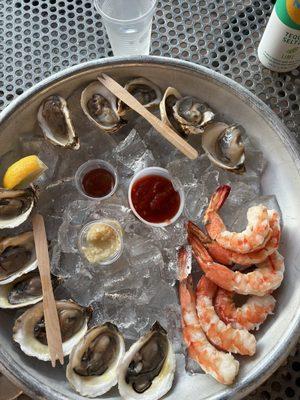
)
(147, 369)
(187, 115)
(94, 361)
(15, 206)
(30, 333)
(25, 290)
(55, 122)
(100, 106)
(17, 256)
(224, 147)
(145, 91)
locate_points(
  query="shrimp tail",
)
(218, 199)
(206, 288)
(217, 252)
(184, 262)
(220, 275)
(194, 230)
(200, 253)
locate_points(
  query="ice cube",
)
(198, 194)
(125, 315)
(162, 150)
(165, 295)
(130, 150)
(57, 196)
(65, 264)
(49, 157)
(94, 145)
(82, 287)
(169, 267)
(172, 317)
(255, 159)
(196, 202)
(183, 169)
(31, 143)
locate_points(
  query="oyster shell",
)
(24, 291)
(95, 360)
(17, 257)
(100, 106)
(187, 115)
(147, 369)
(30, 333)
(145, 91)
(224, 147)
(15, 206)
(55, 122)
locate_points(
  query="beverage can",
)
(279, 49)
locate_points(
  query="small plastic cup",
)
(176, 184)
(89, 166)
(83, 243)
(128, 24)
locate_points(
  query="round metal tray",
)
(281, 177)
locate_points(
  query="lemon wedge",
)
(23, 172)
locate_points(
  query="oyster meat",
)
(55, 122)
(30, 333)
(187, 115)
(15, 206)
(17, 257)
(224, 147)
(100, 106)
(94, 361)
(147, 369)
(24, 291)
(145, 91)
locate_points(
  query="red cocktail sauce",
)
(155, 199)
(98, 182)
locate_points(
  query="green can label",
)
(288, 11)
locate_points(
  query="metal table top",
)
(40, 37)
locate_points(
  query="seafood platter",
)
(172, 277)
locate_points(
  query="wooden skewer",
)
(167, 132)
(53, 332)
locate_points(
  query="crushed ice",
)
(140, 287)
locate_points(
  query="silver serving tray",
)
(281, 331)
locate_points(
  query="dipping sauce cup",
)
(96, 180)
(101, 241)
(155, 197)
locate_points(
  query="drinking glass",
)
(128, 24)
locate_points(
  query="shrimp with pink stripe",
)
(267, 276)
(254, 237)
(229, 257)
(222, 366)
(249, 316)
(221, 335)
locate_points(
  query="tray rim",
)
(32, 386)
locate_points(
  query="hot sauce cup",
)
(160, 172)
(87, 168)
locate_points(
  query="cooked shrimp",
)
(249, 316)
(221, 335)
(263, 280)
(229, 257)
(254, 237)
(223, 367)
